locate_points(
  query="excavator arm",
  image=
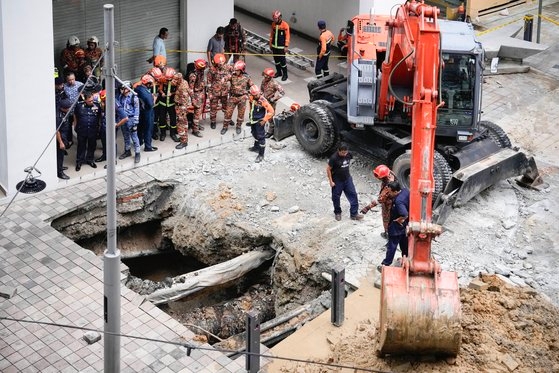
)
(420, 304)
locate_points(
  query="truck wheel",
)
(442, 173)
(496, 133)
(314, 129)
(337, 138)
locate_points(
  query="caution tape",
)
(132, 50)
(545, 18)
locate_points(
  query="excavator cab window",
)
(457, 82)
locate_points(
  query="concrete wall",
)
(27, 114)
(203, 18)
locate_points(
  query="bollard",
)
(253, 343)
(338, 296)
(528, 23)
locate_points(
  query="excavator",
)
(412, 98)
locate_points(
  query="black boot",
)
(212, 125)
(277, 74)
(137, 157)
(181, 145)
(162, 135)
(174, 136)
(126, 154)
(255, 148)
(260, 156)
(284, 74)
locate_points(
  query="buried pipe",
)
(218, 274)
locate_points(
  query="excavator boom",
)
(420, 304)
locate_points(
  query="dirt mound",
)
(505, 328)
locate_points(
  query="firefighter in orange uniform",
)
(279, 42)
(323, 50)
(197, 91)
(182, 103)
(260, 112)
(218, 86)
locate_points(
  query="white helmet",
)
(93, 39)
(73, 41)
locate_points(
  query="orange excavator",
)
(420, 303)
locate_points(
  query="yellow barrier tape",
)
(556, 23)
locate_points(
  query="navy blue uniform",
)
(119, 115)
(88, 121)
(396, 231)
(343, 181)
(62, 126)
(145, 125)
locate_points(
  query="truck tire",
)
(496, 133)
(442, 173)
(314, 129)
(337, 138)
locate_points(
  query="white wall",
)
(27, 111)
(202, 19)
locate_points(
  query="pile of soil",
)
(505, 328)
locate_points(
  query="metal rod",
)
(540, 11)
(338, 296)
(253, 343)
(111, 260)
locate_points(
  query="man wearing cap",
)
(323, 50)
(62, 125)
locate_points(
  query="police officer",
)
(87, 120)
(62, 125)
(131, 106)
(144, 91)
(260, 113)
(279, 42)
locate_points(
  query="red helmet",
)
(294, 107)
(381, 171)
(156, 73)
(276, 15)
(159, 61)
(219, 59)
(239, 65)
(170, 73)
(146, 79)
(103, 95)
(268, 72)
(200, 64)
(254, 90)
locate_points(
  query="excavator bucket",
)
(420, 313)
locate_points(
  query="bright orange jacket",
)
(279, 36)
(325, 43)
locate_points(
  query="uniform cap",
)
(58, 80)
(65, 103)
(321, 24)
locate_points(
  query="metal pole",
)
(338, 296)
(111, 259)
(540, 10)
(252, 362)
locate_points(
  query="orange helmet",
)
(200, 64)
(156, 73)
(80, 53)
(268, 72)
(276, 15)
(254, 90)
(170, 73)
(294, 107)
(146, 79)
(103, 95)
(239, 65)
(159, 61)
(219, 59)
(381, 171)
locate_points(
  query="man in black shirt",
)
(341, 181)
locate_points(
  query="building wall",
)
(27, 114)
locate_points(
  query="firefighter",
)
(68, 58)
(235, 39)
(157, 75)
(182, 103)
(218, 86)
(166, 99)
(385, 176)
(279, 42)
(272, 91)
(323, 50)
(93, 55)
(197, 91)
(240, 83)
(260, 112)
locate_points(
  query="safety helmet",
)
(80, 53)
(159, 61)
(156, 73)
(254, 90)
(219, 59)
(170, 73)
(200, 64)
(93, 39)
(146, 79)
(73, 41)
(239, 65)
(381, 171)
(294, 107)
(276, 15)
(268, 72)
(103, 95)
